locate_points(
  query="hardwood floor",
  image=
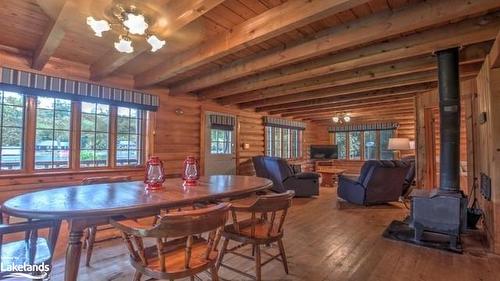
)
(325, 243)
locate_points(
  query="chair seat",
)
(174, 251)
(245, 230)
(17, 253)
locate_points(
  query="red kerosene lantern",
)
(191, 171)
(155, 175)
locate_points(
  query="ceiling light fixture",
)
(341, 118)
(124, 45)
(132, 22)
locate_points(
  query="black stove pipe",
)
(449, 106)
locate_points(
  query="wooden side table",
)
(329, 175)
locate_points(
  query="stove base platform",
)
(401, 231)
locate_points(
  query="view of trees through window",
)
(283, 142)
(12, 106)
(355, 145)
(128, 142)
(94, 137)
(53, 130)
(341, 141)
(221, 141)
(364, 145)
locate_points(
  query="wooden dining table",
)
(86, 205)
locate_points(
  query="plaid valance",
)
(364, 127)
(222, 122)
(283, 123)
(36, 84)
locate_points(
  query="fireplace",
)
(438, 215)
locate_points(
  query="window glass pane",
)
(370, 145)
(94, 140)
(11, 130)
(354, 145)
(340, 140)
(385, 154)
(221, 141)
(130, 136)
(53, 123)
(283, 142)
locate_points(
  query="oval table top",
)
(127, 197)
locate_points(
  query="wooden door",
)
(220, 152)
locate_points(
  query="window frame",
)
(29, 140)
(295, 143)
(333, 140)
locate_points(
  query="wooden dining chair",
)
(33, 249)
(180, 251)
(264, 227)
(91, 232)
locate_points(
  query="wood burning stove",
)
(442, 211)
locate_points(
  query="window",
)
(12, 107)
(363, 145)
(94, 137)
(221, 141)
(341, 141)
(53, 130)
(355, 145)
(129, 137)
(370, 145)
(386, 154)
(283, 142)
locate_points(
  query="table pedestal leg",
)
(73, 253)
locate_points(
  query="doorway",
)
(220, 138)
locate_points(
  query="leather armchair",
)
(284, 178)
(379, 182)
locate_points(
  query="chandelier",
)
(132, 22)
(341, 118)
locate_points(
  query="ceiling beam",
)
(318, 103)
(365, 30)
(495, 53)
(275, 21)
(402, 80)
(471, 54)
(330, 107)
(180, 14)
(423, 43)
(355, 110)
(372, 113)
(53, 35)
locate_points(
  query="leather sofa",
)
(284, 177)
(380, 181)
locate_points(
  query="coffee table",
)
(329, 175)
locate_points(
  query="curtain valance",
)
(222, 122)
(364, 127)
(283, 123)
(43, 85)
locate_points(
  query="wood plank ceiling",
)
(305, 59)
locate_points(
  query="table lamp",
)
(398, 144)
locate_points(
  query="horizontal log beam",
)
(360, 110)
(351, 97)
(370, 101)
(374, 115)
(363, 31)
(471, 54)
(423, 43)
(402, 80)
(275, 21)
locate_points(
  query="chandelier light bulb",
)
(155, 43)
(98, 26)
(136, 24)
(124, 45)
(335, 119)
(347, 118)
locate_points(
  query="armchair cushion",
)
(306, 175)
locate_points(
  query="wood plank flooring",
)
(325, 243)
